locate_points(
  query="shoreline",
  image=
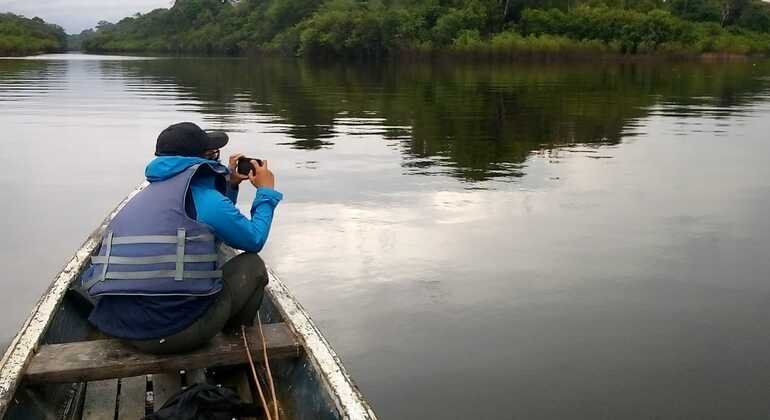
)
(534, 56)
(19, 54)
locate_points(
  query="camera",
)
(245, 166)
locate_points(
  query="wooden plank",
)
(21, 349)
(73, 409)
(104, 359)
(101, 397)
(133, 398)
(164, 386)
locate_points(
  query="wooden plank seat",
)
(127, 398)
(110, 359)
(132, 398)
(100, 400)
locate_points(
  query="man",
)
(159, 279)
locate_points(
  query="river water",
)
(476, 241)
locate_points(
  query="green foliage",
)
(344, 27)
(474, 16)
(376, 28)
(22, 36)
(756, 17)
(643, 32)
(696, 10)
(631, 29)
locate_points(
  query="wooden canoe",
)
(59, 367)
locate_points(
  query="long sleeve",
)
(229, 224)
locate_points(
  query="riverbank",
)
(549, 48)
(508, 46)
(19, 46)
(27, 52)
(20, 36)
(480, 56)
(343, 29)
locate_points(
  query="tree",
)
(731, 11)
(103, 25)
(698, 10)
(756, 17)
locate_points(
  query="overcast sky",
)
(76, 15)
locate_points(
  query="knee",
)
(254, 262)
(255, 267)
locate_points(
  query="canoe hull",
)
(313, 386)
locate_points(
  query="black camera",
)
(245, 166)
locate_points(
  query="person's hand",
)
(261, 176)
(235, 177)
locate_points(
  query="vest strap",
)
(107, 244)
(145, 275)
(96, 278)
(107, 251)
(100, 259)
(157, 239)
(180, 240)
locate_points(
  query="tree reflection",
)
(472, 121)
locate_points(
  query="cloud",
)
(76, 15)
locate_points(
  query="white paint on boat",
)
(348, 399)
(24, 345)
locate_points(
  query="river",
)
(529, 241)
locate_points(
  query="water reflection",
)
(471, 122)
(24, 79)
(590, 241)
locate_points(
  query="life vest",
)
(153, 248)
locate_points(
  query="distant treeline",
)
(375, 28)
(22, 36)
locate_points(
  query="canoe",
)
(59, 367)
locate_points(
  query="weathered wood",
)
(101, 397)
(22, 347)
(74, 408)
(104, 359)
(132, 398)
(164, 386)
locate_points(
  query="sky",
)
(76, 15)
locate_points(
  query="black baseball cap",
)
(187, 139)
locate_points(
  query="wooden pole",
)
(254, 372)
(267, 366)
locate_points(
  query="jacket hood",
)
(165, 167)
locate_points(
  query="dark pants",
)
(244, 278)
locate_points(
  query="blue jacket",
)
(218, 211)
(145, 317)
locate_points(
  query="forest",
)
(22, 36)
(377, 28)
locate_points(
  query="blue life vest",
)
(153, 248)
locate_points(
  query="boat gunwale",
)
(23, 346)
(346, 396)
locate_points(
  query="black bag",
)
(204, 402)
